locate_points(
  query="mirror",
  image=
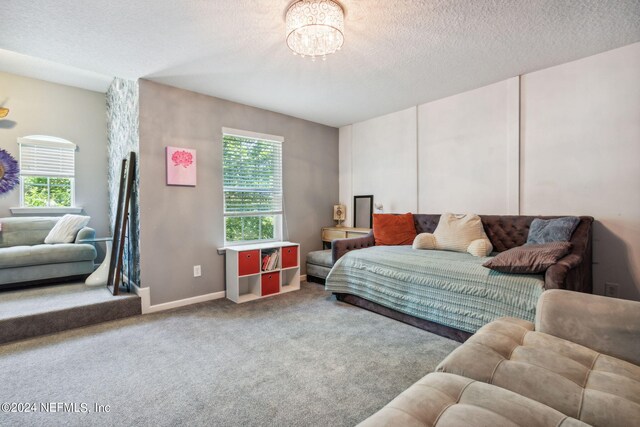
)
(127, 174)
(362, 211)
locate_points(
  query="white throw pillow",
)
(66, 229)
(459, 233)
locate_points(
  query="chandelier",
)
(315, 28)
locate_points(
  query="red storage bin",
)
(248, 262)
(270, 283)
(289, 256)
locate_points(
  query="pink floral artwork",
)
(181, 166)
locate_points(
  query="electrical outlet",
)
(197, 271)
(611, 289)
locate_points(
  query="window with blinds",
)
(252, 186)
(47, 171)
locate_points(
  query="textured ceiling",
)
(396, 53)
(42, 69)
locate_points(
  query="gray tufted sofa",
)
(579, 363)
(319, 265)
(572, 272)
(25, 258)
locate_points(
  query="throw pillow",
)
(529, 259)
(552, 230)
(390, 229)
(66, 229)
(459, 232)
(424, 241)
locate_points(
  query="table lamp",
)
(339, 214)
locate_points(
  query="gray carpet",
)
(33, 312)
(292, 360)
(25, 302)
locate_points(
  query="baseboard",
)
(145, 296)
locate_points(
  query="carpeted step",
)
(34, 325)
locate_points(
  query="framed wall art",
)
(181, 166)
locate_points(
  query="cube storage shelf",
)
(250, 276)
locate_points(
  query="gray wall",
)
(182, 226)
(79, 115)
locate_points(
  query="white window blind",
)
(252, 175)
(46, 156)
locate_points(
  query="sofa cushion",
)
(66, 229)
(529, 259)
(552, 230)
(391, 229)
(319, 263)
(24, 256)
(607, 325)
(451, 400)
(322, 258)
(577, 381)
(18, 231)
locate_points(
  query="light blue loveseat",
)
(24, 257)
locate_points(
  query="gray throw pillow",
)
(552, 230)
(529, 259)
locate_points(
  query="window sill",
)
(250, 244)
(45, 211)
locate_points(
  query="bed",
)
(451, 293)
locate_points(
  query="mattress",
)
(449, 288)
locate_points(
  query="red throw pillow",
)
(390, 229)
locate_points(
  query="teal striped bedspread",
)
(449, 288)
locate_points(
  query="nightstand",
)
(331, 233)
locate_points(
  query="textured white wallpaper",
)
(123, 137)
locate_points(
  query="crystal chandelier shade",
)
(315, 28)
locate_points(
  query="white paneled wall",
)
(383, 160)
(346, 172)
(468, 147)
(581, 155)
(565, 140)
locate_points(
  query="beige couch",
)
(579, 363)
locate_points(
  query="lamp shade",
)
(339, 212)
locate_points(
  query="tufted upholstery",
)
(607, 325)
(572, 272)
(510, 373)
(596, 388)
(339, 247)
(319, 265)
(451, 400)
(504, 231)
(425, 223)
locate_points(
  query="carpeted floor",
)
(25, 302)
(33, 312)
(292, 360)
